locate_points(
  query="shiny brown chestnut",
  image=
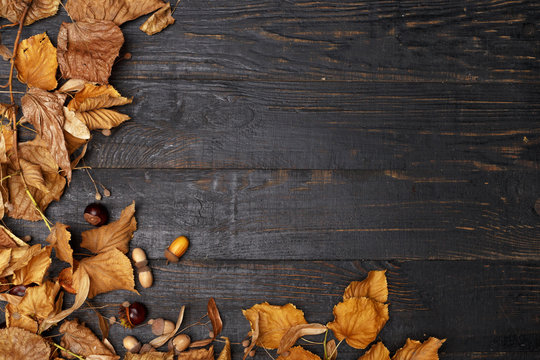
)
(96, 214)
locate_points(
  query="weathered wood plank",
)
(318, 215)
(481, 308)
(466, 41)
(323, 126)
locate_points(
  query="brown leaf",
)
(45, 111)
(118, 11)
(158, 21)
(18, 320)
(72, 85)
(8, 239)
(5, 53)
(376, 352)
(215, 318)
(201, 343)
(36, 62)
(415, 350)
(38, 303)
(108, 271)
(75, 126)
(199, 354)
(296, 332)
(153, 355)
(331, 350)
(115, 235)
(32, 175)
(59, 238)
(35, 270)
(102, 118)
(160, 340)
(5, 257)
(82, 341)
(274, 322)
(20, 257)
(299, 353)
(87, 49)
(374, 287)
(225, 354)
(19, 344)
(358, 321)
(40, 9)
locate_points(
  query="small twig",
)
(268, 353)
(8, 25)
(15, 48)
(311, 342)
(66, 350)
(324, 344)
(175, 6)
(45, 220)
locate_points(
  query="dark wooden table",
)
(299, 144)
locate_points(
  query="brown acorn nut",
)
(181, 342)
(139, 257)
(145, 277)
(131, 344)
(161, 326)
(177, 249)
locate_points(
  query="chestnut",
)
(133, 315)
(18, 290)
(96, 214)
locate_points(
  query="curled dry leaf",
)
(35, 270)
(415, 350)
(215, 318)
(254, 323)
(40, 9)
(331, 350)
(296, 332)
(115, 235)
(59, 239)
(152, 355)
(274, 322)
(45, 111)
(376, 352)
(74, 126)
(20, 257)
(19, 344)
(5, 257)
(118, 11)
(87, 49)
(225, 354)
(160, 340)
(82, 341)
(374, 286)
(36, 62)
(158, 21)
(358, 321)
(72, 85)
(9, 240)
(299, 353)
(198, 354)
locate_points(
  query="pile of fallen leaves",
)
(34, 173)
(358, 319)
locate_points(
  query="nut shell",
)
(181, 342)
(146, 278)
(131, 344)
(177, 248)
(138, 255)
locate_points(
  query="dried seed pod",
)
(177, 248)
(139, 257)
(145, 277)
(245, 343)
(181, 342)
(161, 326)
(131, 344)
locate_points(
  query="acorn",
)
(131, 344)
(177, 248)
(181, 342)
(145, 274)
(161, 326)
(139, 257)
(133, 314)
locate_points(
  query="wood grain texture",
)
(318, 215)
(434, 41)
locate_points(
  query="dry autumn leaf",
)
(115, 235)
(374, 286)
(72, 85)
(254, 323)
(75, 127)
(16, 319)
(35, 270)
(87, 49)
(45, 111)
(158, 21)
(415, 350)
(296, 332)
(274, 322)
(153, 355)
(20, 257)
(298, 353)
(40, 9)
(90, 105)
(19, 344)
(215, 318)
(9, 240)
(5, 257)
(358, 321)
(199, 354)
(36, 62)
(118, 11)
(331, 350)
(59, 239)
(82, 341)
(5, 53)
(225, 354)
(160, 340)
(376, 352)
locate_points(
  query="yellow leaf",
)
(274, 322)
(39, 302)
(20, 257)
(32, 175)
(19, 344)
(93, 97)
(376, 352)
(102, 118)
(415, 350)
(36, 62)
(225, 354)
(40, 9)
(14, 319)
(374, 287)
(118, 11)
(298, 353)
(199, 354)
(59, 238)
(5, 257)
(158, 21)
(115, 235)
(35, 270)
(358, 321)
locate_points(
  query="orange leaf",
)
(19, 344)
(158, 21)
(20, 257)
(225, 354)
(374, 287)
(358, 321)
(215, 318)
(118, 11)
(115, 235)
(376, 352)
(274, 322)
(59, 238)
(35, 270)
(36, 62)
(298, 353)
(415, 350)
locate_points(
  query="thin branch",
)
(66, 350)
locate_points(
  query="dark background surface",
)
(299, 144)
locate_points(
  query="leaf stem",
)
(66, 350)
(15, 48)
(335, 350)
(324, 344)
(45, 220)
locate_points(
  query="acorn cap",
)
(171, 257)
